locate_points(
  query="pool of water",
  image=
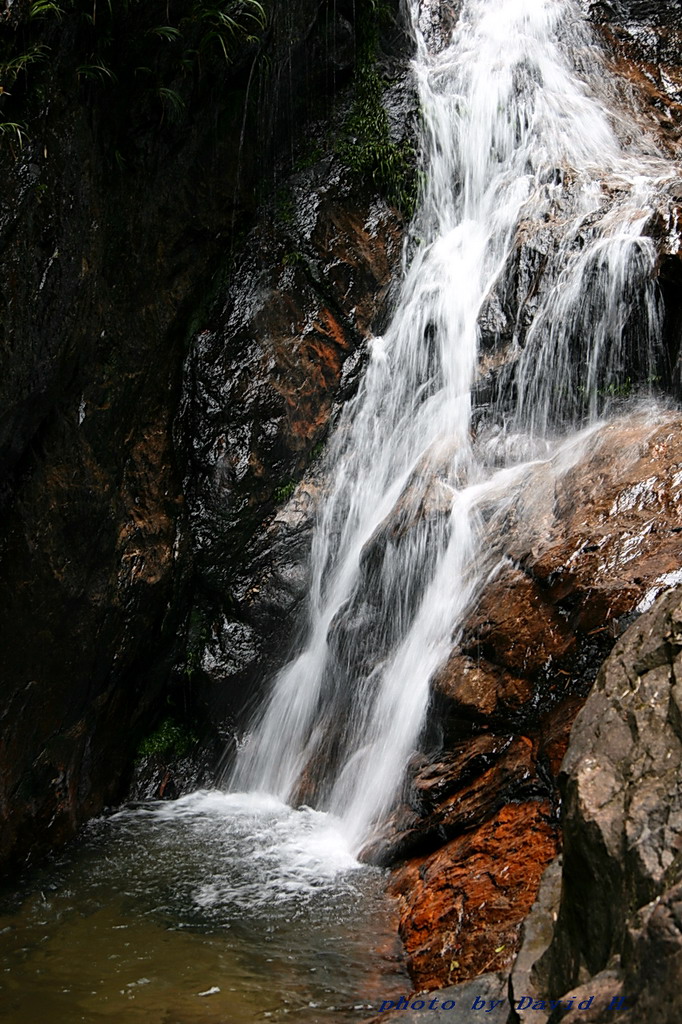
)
(219, 908)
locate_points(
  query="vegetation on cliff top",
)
(146, 49)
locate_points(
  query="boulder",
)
(461, 907)
(488, 990)
(622, 813)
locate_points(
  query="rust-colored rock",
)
(462, 907)
(583, 550)
(611, 540)
(518, 625)
(456, 792)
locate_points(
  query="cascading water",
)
(527, 310)
(518, 144)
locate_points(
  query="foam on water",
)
(286, 855)
(216, 907)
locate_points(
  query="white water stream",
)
(527, 267)
(524, 141)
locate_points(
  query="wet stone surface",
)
(606, 545)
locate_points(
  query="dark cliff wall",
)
(132, 167)
(267, 372)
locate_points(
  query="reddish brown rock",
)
(456, 793)
(518, 625)
(541, 628)
(645, 41)
(608, 538)
(307, 332)
(481, 688)
(462, 907)
(286, 349)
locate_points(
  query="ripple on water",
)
(225, 908)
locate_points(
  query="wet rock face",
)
(622, 816)
(642, 47)
(606, 928)
(264, 378)
(263, 381)
(541, 251)
(584, 548)
(646, 41)
(114, 221)
(617, 936)
(437, 19)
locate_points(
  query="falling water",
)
(522, 146)
(527, 307)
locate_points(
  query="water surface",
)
(219, 908)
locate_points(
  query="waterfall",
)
(523, 144)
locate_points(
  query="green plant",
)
(14, 66)
(290, 259)
(96, 72)
(617, 389)
(168, 32)
(43, 8)
(228, 22)
(169, 740)
(284, 492)
(172, 99)
(316, 451)
(152, 50)
(13, 131)
(311, 155)
(366, 146)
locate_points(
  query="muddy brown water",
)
(216, 908)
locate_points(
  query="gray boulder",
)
(622, 823)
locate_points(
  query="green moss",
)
(283, 493)
(290, 259)
(366, 146)
(317, 450)
(170, 740)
